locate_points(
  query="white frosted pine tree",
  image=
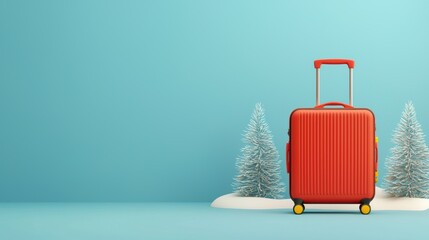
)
(408, 166)
(259, 165)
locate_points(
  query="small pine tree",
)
(408, 166)
(258, 166)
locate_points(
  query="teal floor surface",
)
(81, 221)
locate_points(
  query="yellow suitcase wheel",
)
(365, 209)
(298, 209)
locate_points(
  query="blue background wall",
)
(147, 100)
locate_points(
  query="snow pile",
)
(382, 201)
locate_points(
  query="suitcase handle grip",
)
(287, 158)
(336, 61)
(333, 104)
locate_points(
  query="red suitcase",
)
(332, 152)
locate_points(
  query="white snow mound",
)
(381, 201)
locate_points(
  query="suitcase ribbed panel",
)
(332, 154)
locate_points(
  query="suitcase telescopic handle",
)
(336, 61)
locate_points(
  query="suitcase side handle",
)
(333, 104)
(335, 61)
(350, 63)
(376, 153)
(376, 160)
(287, 158)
